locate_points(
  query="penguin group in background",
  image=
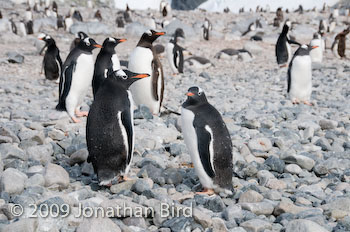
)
(52, 62)
(143, 59)
(283, 49)
(77, 16)
(339, 44)
(120, 21)
(79, 36)
(126, 15)
(98, 15)
(208, 142)
(300, 76)
(107, 61)
(206, 28)
(279, 14)
(316, 53)
(175, 52)
(110, 127)
(76, 77)
(165, 8)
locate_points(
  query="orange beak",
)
(122, 40)
(141, 76)
(190, 94)
(98, 45)
(41, 38)
(314, 47)
(160, 33)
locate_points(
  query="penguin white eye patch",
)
(87, 41)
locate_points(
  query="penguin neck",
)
(145, 44)
(190, 103)
(285, 29)
(109, 49)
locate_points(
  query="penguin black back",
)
(52, 61)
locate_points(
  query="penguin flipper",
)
(293, 42)
(127, 123)
(156, 72)
(289, 78)
(204, 140)
(65, 84)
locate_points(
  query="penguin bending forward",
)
(300, 76)
(76, 77)
(107, 60)
(110, 127)
(208, 142)
(143, 59)
(283, 49)
(52, 62)
(175, 52)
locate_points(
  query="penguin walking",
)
(79, 36)
(206, 28)
(110, 127)
(317, 53)
(144, 59)
(283, 49)
(76, 78)
(175, 52)
(52, 62)
(339, 44)
(107, 60)
(208, 141)
(300, 76)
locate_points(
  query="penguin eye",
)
(199, 93)
(125, 77)
(88, 43)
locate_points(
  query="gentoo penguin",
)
(332, 24)
(54, 7)
(175, 52)
(28, 14)
(76, 78)
(60, 21)
(317, 53)
(52, 62)
(98, 15)
(22, 28)
(143, 59)
(106, 61)
(0, 15)
(13, 27)
(206, 28)
(120, 21)
(208, 141)
(159, 48)
(300, 76)
(126, 15)
(79, 36)
(279, 14)
(29, 27)
(251, 27)
(110, 127)
(229, 52)
(283, 49)
(76, 15)
(68, 22)
(339, 44)
(322, 27)
(226, 10)
(197, 62)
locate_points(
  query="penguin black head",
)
(88, 44)
(195, 96)
(125, 77)
(179, 33)
(82, 35)
(48, 39)
(110, 43)
(287, 26)
(317, 35)
(304, 50)
(148, 37)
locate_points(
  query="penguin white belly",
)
(289, 50)
(197, 65)
(115, 62)
(81, 81)
(323, 43)
(335, 50)
(142, 91)
(316, 53)
(301, 79)
(133, 135)
(68, 22)
(22, 29)
(170, 56)
(190, 138)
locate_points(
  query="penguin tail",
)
(61, 106)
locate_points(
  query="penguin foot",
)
(75, 120)
(307, 103)
(295, 102)
(206, 191)
(283, 66)
(81, 113)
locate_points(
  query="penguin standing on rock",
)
(77, 72)
(206, 28)
(175, 52)
(208, 142)
(143, 59)
(52, 62)
(300, 75)
(283, 49)
(107, 60)
(110, 127)
(339, 44)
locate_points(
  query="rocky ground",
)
(291, 162)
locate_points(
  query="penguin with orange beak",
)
(300, 75)
(110, 127)
(76, 77)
